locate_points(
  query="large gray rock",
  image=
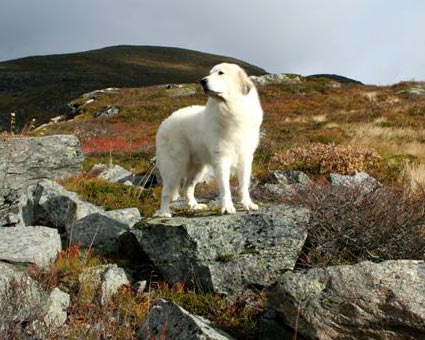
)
(363, 301)
(226, 253)
(25, 161)
(103, 230)
(29, 245)
(168, 320)
(59, 208)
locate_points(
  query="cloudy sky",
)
(374, 41)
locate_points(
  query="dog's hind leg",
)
(195, 175)
(169, 190)
(170, 185)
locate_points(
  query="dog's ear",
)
(245, 83)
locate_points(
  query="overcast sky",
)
(374, 41)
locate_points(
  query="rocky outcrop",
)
(280, 78)
(26, 161)
(29, 245)
(48, 203)
(167, 320)
(84, 223)
(226, 253)
(362, 301)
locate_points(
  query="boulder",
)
(109, 278)
(167, 320)
(27, 160)
(56, 308)
(363, 301)
(56, 207)
(225, 253)
(113, 173)
(102, 230)
(113, 278)
(29, 245)
(360, 179)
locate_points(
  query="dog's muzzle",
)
(207, 90)
(204, 84)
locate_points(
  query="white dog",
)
(223, 134)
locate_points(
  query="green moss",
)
(225, 257)
(250, 251)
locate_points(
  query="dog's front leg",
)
(222, 173)
(244, 179)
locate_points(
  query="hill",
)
(335, 77)
(41, 86)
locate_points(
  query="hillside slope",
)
(41, 86)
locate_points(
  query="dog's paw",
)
(198, 206)
(228, 209)
(160, 213)
(249, 206)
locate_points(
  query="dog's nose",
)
(204, 82)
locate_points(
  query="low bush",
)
(352, 224)
(323, 159)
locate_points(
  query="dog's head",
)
(226, 81)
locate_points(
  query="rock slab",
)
(225, 253)
(362, 301)
(29, 245)
(25, 161)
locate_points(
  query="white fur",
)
(223, 134)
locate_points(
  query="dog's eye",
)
(220, 73)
